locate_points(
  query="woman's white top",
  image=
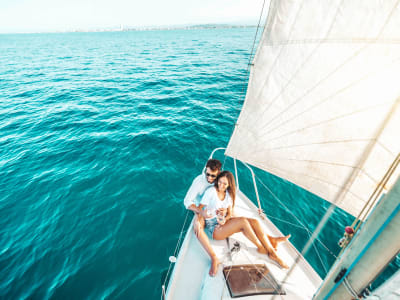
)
(213, 203)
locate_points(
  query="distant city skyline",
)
(26, 16)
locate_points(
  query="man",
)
(192, 201)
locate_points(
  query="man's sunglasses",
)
(211, 175)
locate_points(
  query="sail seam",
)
(361, 171)
(298, 69)
(363, 158)
(326, 77)
(300, 98)
(343, 116)
(328, 142)
(321, 180)
(317, 161)
(281, 50)
(311, 144)
(329, 98)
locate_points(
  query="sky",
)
(67, 15)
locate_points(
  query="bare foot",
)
(214, 267)
(275, 241)
(262, 250)
(274, 257)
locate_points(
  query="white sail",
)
(322, 108)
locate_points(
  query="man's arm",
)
(194, 208)
(191, 195)
(199, 220)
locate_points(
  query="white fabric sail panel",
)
(322, 105)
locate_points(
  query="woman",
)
(216, 207)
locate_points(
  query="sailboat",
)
(322, 111)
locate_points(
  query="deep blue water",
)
(100, 137)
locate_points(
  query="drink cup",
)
(220, 217)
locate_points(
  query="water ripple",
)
(100, 136)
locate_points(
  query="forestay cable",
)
(297, 219)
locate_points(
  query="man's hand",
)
(204, 213)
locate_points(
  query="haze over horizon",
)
(28, 16)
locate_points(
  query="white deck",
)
(190, 279)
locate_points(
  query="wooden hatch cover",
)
(254, 279)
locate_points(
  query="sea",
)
(101, 134)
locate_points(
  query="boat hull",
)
(190, 279)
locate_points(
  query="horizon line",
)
(122, 28)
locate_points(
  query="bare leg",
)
(257, 236)
(238, 225)
(260, 233)
(205, 242)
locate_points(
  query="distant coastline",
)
(145, 28)
(187, 27)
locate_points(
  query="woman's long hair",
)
(231, 182)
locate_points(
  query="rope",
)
(350, 289)
(373, 199)
(377, 192)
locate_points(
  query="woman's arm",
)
(229, 213)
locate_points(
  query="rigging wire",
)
(252, 48)
(294, 216)
(176, 247)
(249, 64)
(287, 222)
(319, 256)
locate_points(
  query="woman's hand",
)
(229, 213)
(221, 213)
(221, 222)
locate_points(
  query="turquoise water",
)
(100, 137)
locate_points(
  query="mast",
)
(373, 247)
